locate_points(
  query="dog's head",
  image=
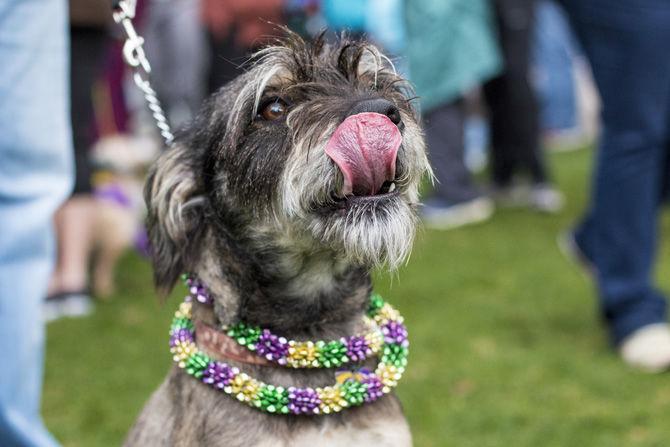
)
(315, 145)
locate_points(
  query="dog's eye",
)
(273, 110)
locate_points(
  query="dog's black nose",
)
(378, 105)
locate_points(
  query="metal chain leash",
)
(135, 57)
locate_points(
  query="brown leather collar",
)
(219, 345)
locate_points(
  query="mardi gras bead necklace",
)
(386, 338)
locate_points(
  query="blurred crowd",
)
(499, 82)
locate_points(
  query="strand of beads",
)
(383, 322)
(361, 387)
(196, 289)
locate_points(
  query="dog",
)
(281, 197)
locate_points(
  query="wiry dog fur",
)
(251, 207)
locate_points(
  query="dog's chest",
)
(381, 433)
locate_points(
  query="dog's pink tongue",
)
(365, 147)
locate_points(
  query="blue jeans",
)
(553, 54)
(35, 176)
(626, 42)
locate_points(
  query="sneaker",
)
(457, 215)
(648, 348)
(541, 197)
(565, 140)
(67, 304)
(513, 196)
(546, 199)
(51, 309)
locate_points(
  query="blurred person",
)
(121, 162)
(234, 29)
(514, 115)
(175, 45)
(451, 50)
(68, 293)
(116, 101)
(379, 21)
(349, 15)
(385, 23)
(35, 177)
(302, 17)
(626, 43)
(553, 57)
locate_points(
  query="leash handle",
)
(135, 56)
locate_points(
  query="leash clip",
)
(123, 12)
(133, 47)
(123, 9)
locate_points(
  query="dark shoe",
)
(67, 304)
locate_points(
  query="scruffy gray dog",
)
(284, 230)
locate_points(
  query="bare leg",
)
(74, 229)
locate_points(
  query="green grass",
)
(506, 345)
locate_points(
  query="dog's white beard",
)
(368, 234)
(373, 238)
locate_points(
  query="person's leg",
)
(445, 140)
(456, 201)
(665, 193)
(514, 112)
(619, 233)
(154, 30)
(186, 43)
(35, 171)
(74, 230)
(503, 156)
(552, 63)
(176, 48)
(514, 109)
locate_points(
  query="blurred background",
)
(506, 344)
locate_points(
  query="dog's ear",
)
(174, 196)
(176, 191)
